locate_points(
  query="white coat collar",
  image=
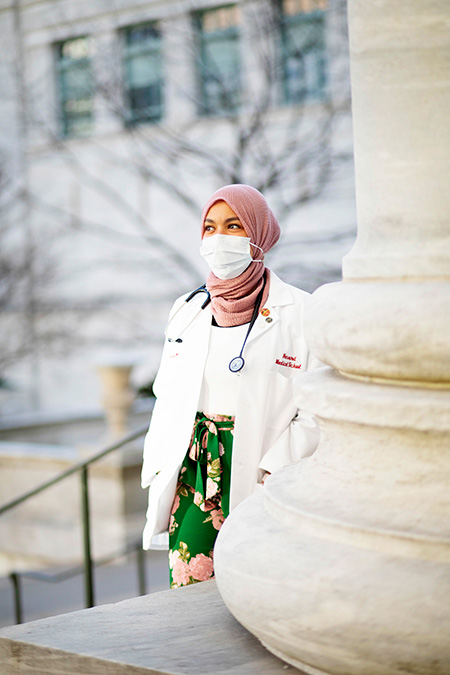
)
(279, 292)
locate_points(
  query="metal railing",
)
(88, 565)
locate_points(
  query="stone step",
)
(187, 631)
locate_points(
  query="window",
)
(143, 73)
(75, 86)
(218, 31)
(302, 24)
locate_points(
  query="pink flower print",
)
(173, 557)
(208, 505)
(176, 504)
(221, 449)
(180, 573)
(183, 469)
(198, 499)
(211, 488)
(217, 518)
(194, 451)
(201, 567)
(172, 525)
(211, 427)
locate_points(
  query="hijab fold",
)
(233, 300)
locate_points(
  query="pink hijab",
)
(233, 300)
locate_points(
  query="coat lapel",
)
(279, 295)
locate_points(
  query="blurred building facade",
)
(118, 121)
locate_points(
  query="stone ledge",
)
(178, 632)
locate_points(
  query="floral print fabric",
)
(201, 501)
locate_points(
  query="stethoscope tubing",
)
(200, 289)
(237, 363)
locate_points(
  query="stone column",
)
(117, 397)
(342, 564)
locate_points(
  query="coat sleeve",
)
(175, 307)
(151, 459)
(299, 440)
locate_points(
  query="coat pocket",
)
(288, 366)
(280, 404)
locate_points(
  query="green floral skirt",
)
(202, 500)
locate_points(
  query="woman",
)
(225, 415)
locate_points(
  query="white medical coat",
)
(270, 432)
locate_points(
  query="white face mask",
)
(226, 255)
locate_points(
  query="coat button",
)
(269, 319)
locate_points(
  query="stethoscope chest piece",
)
(236, 364)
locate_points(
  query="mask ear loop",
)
(256, 246)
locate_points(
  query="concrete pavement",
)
(186, 631)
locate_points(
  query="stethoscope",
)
(200, 289)
(237, 363)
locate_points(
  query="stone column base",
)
(341, 564)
